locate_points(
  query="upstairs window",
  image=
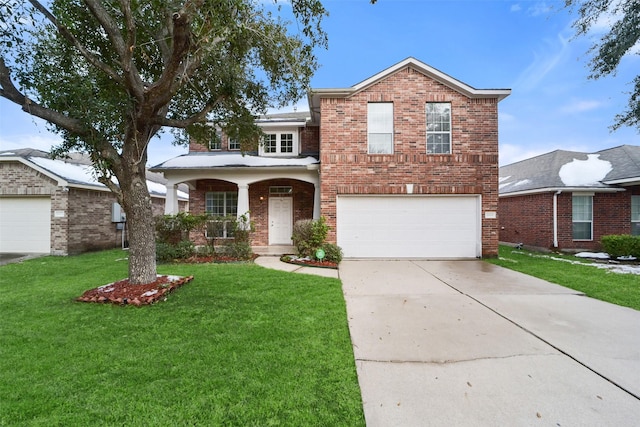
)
(582, 208)
(216, 141)
(234, 144)
(271, 143)
(280, 143)
(438, 128)
(635, 215)
(380, 127)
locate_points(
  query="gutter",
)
(555, 218)
(563, 189)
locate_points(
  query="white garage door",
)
(25, 225)
(409, 226)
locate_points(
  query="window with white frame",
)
(279, 143)
(220, 204)
(582, 208)
(438, 128)
(635, 215)
(216, 141)
(234, 144)
(380, 127)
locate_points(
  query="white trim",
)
(562, 189)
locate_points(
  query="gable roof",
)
(558, 170)
(316, 94)
(76, 171)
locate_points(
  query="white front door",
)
(280, 220)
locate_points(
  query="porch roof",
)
(207, 160)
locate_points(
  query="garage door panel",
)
(409, 226)
(25, 225)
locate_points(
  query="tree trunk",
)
(140, 224)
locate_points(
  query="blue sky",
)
(527, 46)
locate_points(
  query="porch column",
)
(243, 200)
(316, 201)
(171, 200)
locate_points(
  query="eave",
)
(562, 190)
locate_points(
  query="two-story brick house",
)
(403, 164)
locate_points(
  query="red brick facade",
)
(302, 194)
(528, 219)
(471, 168)
(337, 135)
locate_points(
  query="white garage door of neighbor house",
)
(25, 225)
(409, 226)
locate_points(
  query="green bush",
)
(308, 235)
(167, 252)
(239, 250)
(621, 245)
(332, 252)
(175, 228)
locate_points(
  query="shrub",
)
(167, 252)
(308, 235)
(621, 245)
(239, 250)
(175, 228)
(332, 252)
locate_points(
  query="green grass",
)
(616, 288)
(239, 345)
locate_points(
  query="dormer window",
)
(279, 143)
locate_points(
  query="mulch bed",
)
(124, 293)
(309, 262)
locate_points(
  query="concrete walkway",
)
(466, 343)
(274, 262)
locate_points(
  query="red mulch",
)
(220, 259)
(309, 263)
(123, 292)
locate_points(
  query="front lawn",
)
(239, 345)
(575, 273)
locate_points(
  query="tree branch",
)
(193, 119)
(132, 78)
(92, 59)
(162, 90)
(9, 91)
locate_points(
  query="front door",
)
(280, 220)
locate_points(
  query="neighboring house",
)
(569, 200)
(58, 207)
(403, 164)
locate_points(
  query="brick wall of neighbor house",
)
(529, 219)
(472, 168)
(258, 204)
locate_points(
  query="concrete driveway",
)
(465, 343)
(8, 258)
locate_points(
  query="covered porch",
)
(272, 192)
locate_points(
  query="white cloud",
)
(581, 105)
(539, 8)
(42, 142)
(516, 7)
(554, 53)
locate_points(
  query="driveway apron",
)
(467, 343)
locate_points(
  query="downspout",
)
(555, 218)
